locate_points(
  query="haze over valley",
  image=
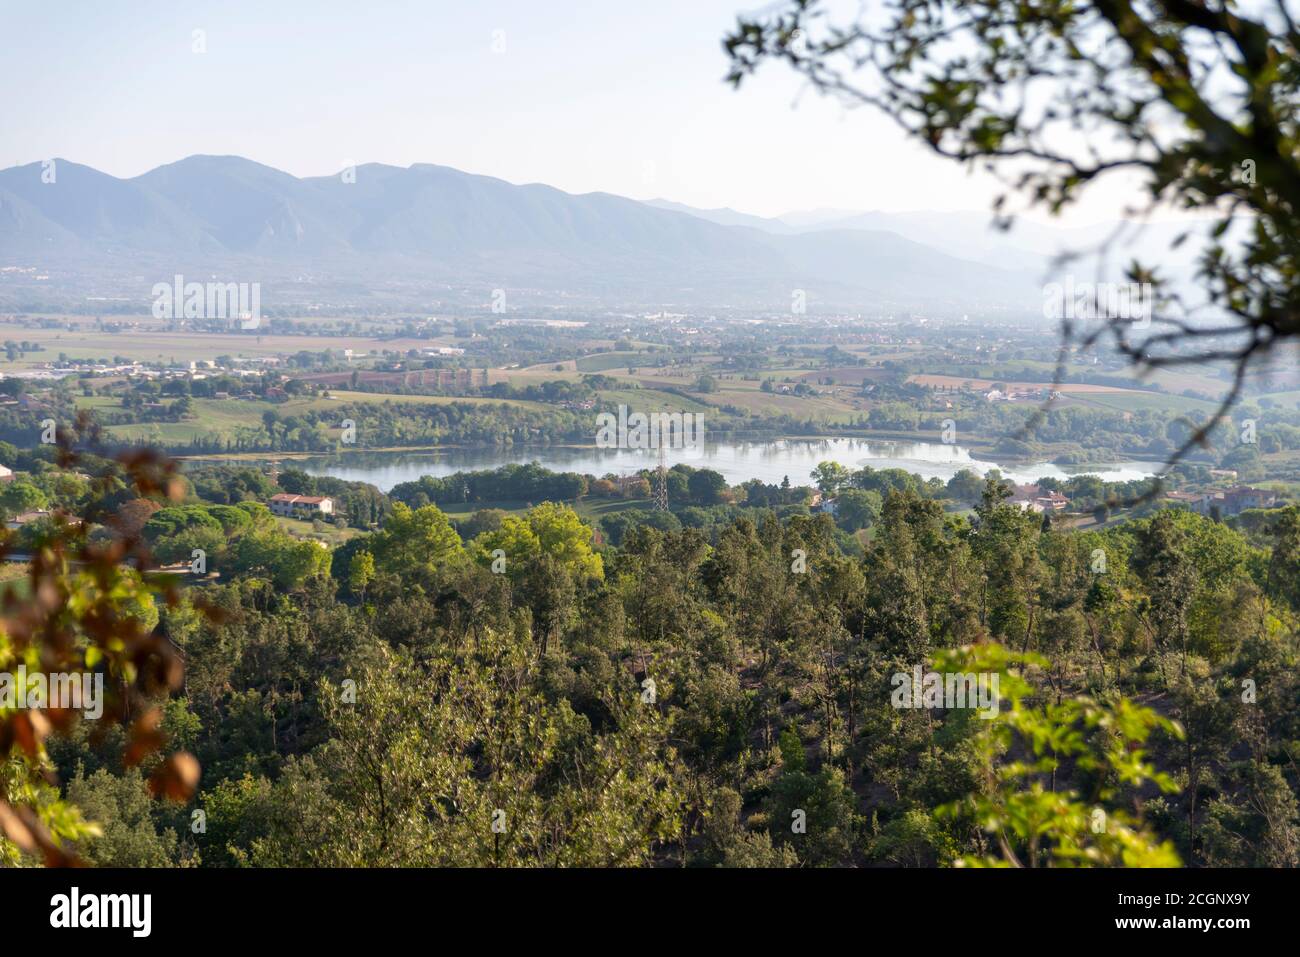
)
(384, 236)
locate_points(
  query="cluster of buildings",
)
(16, 522)
(1035, 498)
(1019, 395)
(1224, 502)
(1221, 503)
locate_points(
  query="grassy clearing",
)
(1290, 400)
(331, 535)
(607, 360)
(816, 407)
(1142, 401)
(148, 340)
(378, 398)
(13, 579)
(652, 400)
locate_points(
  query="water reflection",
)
(739, 461)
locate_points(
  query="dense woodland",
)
(524, 692)
(569, 682)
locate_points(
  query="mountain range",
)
(428, 233)
(1027, 245)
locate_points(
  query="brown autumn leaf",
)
(176, 778)
(15, 829)
(145, 736)
(22, 826)
(30, 728)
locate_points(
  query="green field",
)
(607, 360)
(14, 580)
(747, 394)
(818, 408)
(1142, 401)
(1288, 399)
(330, 535)
(376, 398)
(652, 400)
(226, 417)
(146, 339)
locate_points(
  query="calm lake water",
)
(739, 461)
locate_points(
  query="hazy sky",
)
(584, 95)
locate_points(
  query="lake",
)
(739, 461)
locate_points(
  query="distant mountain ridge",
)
(1029, 245)
(427, 228)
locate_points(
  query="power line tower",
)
(661, 480)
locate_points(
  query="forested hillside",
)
(726, 696)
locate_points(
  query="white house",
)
(299, 506)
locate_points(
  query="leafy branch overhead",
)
(1195, 101)
(88, 606)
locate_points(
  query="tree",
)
(459, 760)
(484, 520)
(361, 571)
(19, 497)
(1284, 563)
(706, 486)
(856, 509)
(730, 845)
(548, 530)
(132, 516)
(416, 538)
(830, 476)
(1033, 822)
(286, 560)
(965, 487)
(1171, 580)
(1261, 828)
(293, 481)
(121, 806)
(812, 813)
(1196, 100)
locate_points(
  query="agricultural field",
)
(815, 407)
(606, 361)
(1290, 400)
(653, 400)
(146, 339)
(227, 417)
(966, 382)
(1136, 401)
(535, 375)
(842, 375)
(376, 398)
(734, 391)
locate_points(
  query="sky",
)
(585, 95)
